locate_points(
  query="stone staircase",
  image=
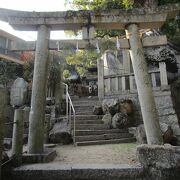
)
(89, 128)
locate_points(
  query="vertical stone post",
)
(163, 74)
(143, 82)
(131, 84)
(153, 78)
(17, 139)
(100, 65)
(123, 81)
(38, 100)
(2, 117)
(126, 61)
(116, 84)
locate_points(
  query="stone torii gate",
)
(130, 20)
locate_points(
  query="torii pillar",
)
(38, 99)
(143, 82)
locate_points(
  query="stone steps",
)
(111, 141)
(91, 126)
(56, 171)
(84, 103)
(84, 121)
(90, 129)
(103, 137)
(84, 109)
(84, 112)
(88, 117)
(99, 132)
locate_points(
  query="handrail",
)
(69, 107)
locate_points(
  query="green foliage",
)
(171, 28)
(83, 59)
(8, 72)
(66, 73)
(100, 4)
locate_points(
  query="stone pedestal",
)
(45, 157)
(160, 162)
(37, 113)
(143, 82)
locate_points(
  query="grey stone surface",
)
(141, 134)
(60, 133)
(45, 157)
(120, 120)
(37, 113)
(107, 119)
(160, 162)
(56, 171)
(18, 92)
(17, 140)
(112, 62)
(107, 171)
(144, 87)
(157, 156)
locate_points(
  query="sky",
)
(33, 5)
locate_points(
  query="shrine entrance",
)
(131, 21)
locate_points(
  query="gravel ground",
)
(97, 154)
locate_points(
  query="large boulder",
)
(107, 119)
(120, 120)
(111, 106)
(126, 106)
(167, 133)
(97, 110)
(60, 133)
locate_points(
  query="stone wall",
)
(164, 106)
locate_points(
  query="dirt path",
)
(97, 154)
